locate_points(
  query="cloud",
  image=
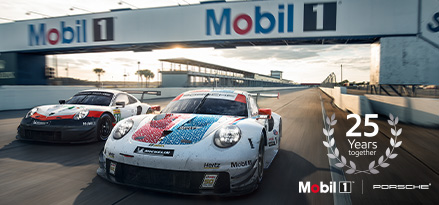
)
(261, 53)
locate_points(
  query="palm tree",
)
(139, 73)
(148, 75)
(99, 72)
(145, 73)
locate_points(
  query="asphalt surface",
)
(42, 173)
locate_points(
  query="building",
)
(182, 72)
(276, 74)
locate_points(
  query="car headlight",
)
(123, 128)
(227, 136)
(31, 112)
(81, 114)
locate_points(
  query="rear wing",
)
(264, 95)
(147, 92)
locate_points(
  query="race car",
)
(87, 116)
(205, 142)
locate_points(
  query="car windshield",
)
(91, 98)
(211, 106)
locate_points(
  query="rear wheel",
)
(261, 158)
(105, 125)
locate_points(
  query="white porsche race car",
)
(205, 142)
(87, 116)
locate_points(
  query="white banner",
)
(215, 21)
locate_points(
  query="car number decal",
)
(117, 116)
(113, 168)
(209, 181)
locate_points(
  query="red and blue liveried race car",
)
(213, 142)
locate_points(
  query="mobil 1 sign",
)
(429, 24)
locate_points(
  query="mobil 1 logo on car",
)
(71, 32)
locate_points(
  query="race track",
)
(42, 173)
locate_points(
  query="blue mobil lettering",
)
(225, 21)
(65, 34)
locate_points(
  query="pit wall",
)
(353, 103)
(418, 111)
(26, 97)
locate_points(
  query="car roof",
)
(103, 90)
(218, 91)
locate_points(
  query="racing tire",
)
(280, 131)
(105, 125)
(260, 160)
(139, 110)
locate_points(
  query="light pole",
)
(67, 70)
(341, 71)
(138, 74)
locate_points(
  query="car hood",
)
(180, 129)
(62, 111)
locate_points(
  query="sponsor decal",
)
(7, 75)
(362, 148)
(155, 145)
(212, 165)
(208, 181)
(271, 141)
(220, 22)
(152, 151)
(251, 143)
(189, 127)
(35, 122)
(344, 187)
(275, 132)
(240, 164)
(111, 155)
(88, 123)
(185, 141)
(67, 33)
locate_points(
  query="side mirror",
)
(122, 104)
(155, 108)
(62, 102)
(266, 112)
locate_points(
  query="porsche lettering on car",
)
(87, 116)
(205, 142)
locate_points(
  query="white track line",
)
(337, 174)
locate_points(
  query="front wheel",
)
(261, 158)
(105, 125)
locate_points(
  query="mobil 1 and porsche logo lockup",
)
(214, 142)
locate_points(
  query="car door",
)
(123, 111)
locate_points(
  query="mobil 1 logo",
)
(103, 29)
(320, 17)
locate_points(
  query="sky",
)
(300, 63)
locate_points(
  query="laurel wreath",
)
(382, 162)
